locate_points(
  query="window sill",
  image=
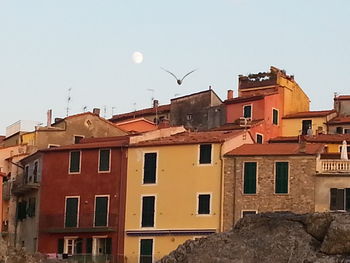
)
(74, 173)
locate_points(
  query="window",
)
(281, 179)
(72, 210)
(21, 210)
(259, 138)
(31, 207)
(340, 199)
(247, 111)
(101, 210)
(35, 171)
(248, 212)
(70, 245)
(205, 153)
(203, 204)
(306, 125)
(189, 117)
(100, 246)
(149, 168)
(275, 116)
(249, 178)
(339, 130)
(78, 138)
(148, 211)
(146, 250)
(347, 131)
(74, 163)
(104, 162)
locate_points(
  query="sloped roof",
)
(322, 138)
(276, 149)
(191, 138)
(309, 114)
(138, 113)
(249, 98)
(339, 120)
(197, 93)
(236, 126)
(342, 97)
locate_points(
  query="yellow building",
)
(174, 191)
(300, 123)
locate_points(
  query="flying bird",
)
(179, 81)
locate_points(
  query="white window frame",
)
(211, 155)
(94, 244)
(257, 177)
(251, 111)
(37, 171)
(70, 156)
(65, 244)
(110, 159)
(155, 211)
(274, 176)
(153, 247)
(256, 137)
(65, 209)
(210, 203)
(143, 168)
(77, 135)
(108, 198)
(278, 116)
(248, 210)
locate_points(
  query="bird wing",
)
(170, 73)
(188, 74)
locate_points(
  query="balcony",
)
(54, 223)
(334, 166)
(22, 185)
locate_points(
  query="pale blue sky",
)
(48, 46)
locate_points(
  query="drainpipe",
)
(221, 191)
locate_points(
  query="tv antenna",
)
(113, 108)
(68, 101)
(84, 109)
(152, 98)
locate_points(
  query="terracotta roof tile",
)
(276, 149)
(309, 114)
(322, 138)
(235, 126)
(249, 98)
(191, 138)
(139, 113)
(342, 97)
(339, 120)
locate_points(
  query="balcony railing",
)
(22, 185)
(55, 223)
(334, 166)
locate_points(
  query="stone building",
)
(269, 177)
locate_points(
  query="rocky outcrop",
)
(273, 237)
(9, 254)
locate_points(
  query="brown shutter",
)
(333, 201)
(340, 199)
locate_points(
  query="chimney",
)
(96, 111)
(58, 119)
(49, 117)
(155, 103)
(230, 94)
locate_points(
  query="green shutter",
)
(333, 199)
(205, 153)
(146, 251)
(60, 245)
(101, 211)
(150, 168)
(281, 180)
(74, 162)
(108, 246)
(247, 111)
(249, 178)
(204, 204)
(148, 211)
(104, 160)
(89, 245)
(275, 116)
(79, 246)
(71, 212)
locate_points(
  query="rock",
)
(271, 237)
(337, 239)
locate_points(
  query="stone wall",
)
(301, 192)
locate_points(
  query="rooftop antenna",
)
(152, 98)
(104, 111)
(68, 101)
(84, 108)
(113, 108)
(134, 109)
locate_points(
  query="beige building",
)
(269, 177)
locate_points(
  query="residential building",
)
(342, 105)
(82, 200)
(339, 125)
(307, 123)
(137, 125)
(269, 177)
(174, 190)
(199, 111)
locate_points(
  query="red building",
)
(82, 199)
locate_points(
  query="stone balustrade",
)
(334, 166)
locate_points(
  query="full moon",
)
(137, 57)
